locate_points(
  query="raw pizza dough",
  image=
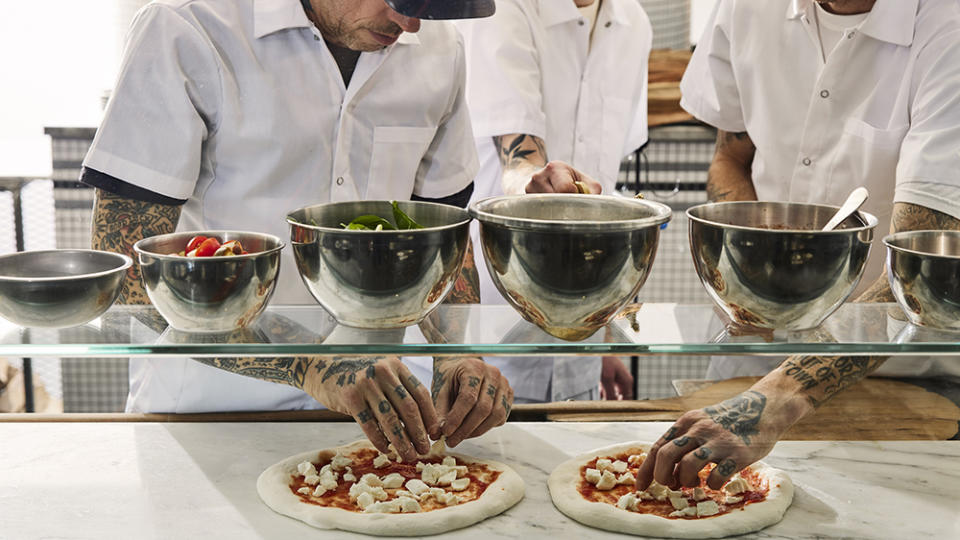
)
(565, 479)
(273, 486)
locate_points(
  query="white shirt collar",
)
(887, 21)
(271, 16)
(553, 12)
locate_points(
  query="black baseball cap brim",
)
(444, 9)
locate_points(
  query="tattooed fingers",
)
(481, 401)
(409, 406)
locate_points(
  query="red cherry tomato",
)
(208, 247)
(194, 242)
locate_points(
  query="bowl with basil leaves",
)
(379, 264)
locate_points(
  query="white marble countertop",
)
(182, 480)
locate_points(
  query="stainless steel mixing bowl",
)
(379, 279)
(924, 272)
(209, 294)
(768, 264)
(59, 288)
(567, 262)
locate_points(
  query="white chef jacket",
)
(239, 107)
(883, 111)
(532, 68)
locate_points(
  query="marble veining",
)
(116, 480)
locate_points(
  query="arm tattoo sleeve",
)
(289, 371)
(118, 223)
(822, 377)
(466, 290)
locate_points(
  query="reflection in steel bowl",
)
(569, 262)
(379, 279)
(924, 272)
(767, 264)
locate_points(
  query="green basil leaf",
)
(369, 222)
(404, 222)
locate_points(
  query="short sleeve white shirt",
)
(239, 107)
(882, 111)
(532, 68)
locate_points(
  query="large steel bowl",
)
(567, 262)
(379, 279)
(924, 272)
(209, 294)
(768, 264)
(61, 287)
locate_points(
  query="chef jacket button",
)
(581, 22)
(608, 24)
(851, 34)
(824, 93)
(806, 161)
(339, 180)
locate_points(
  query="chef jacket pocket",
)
(396, 157)
(875, 136)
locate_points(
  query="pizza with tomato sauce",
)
(598, 489)
(357, 488)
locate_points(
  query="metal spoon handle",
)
(853, 202)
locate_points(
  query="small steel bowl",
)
(379, 279)
(61, 287)
(768, 264)
(924, 272)
(569, 262)
(209, 294)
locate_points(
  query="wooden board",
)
(874, 409)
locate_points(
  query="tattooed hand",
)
(388, 401)
(559, 177)
(471, 397)
(733, 434)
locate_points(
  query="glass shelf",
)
(641, 329)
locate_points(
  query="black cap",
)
(443, 9)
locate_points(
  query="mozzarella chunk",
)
(380, 461)
(420, 466)
(319, 491)
(430, 474)
(679, 502)
(311, 479)
(417, 487)
(447, 478)
(689, 511)
(636, 459)
(328, 482)
(461, 470)
(707, 508)
(737, 484)
(393, 480)
(349, 477)
(732, 499)
(619, 467)
(340, 462)
(371, 479)
(304, 491)
(364, 500)
(449, 461)
(360, 488)
(592, 476)
(405, 493)
(628, 502)
(460, 484)
(448, 499)
(604, 464)
(644, 496)
(659, 491)
(607, 481)
(306, 468)
(408, 505)
(626, 479)
(699, 494)
(386, 507)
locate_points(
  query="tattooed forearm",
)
(347, 369)
(912, 217)
(822, 377)
(466, 290)
(520, 149)
(740, 414)
(289, 371)
(729, 175)
(118, 223)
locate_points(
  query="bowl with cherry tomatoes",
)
(209, 281)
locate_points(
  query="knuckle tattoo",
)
(401, 391)
(384, 406)
(364, 416)
(703, 453)
(727, 467)
(682, 441)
